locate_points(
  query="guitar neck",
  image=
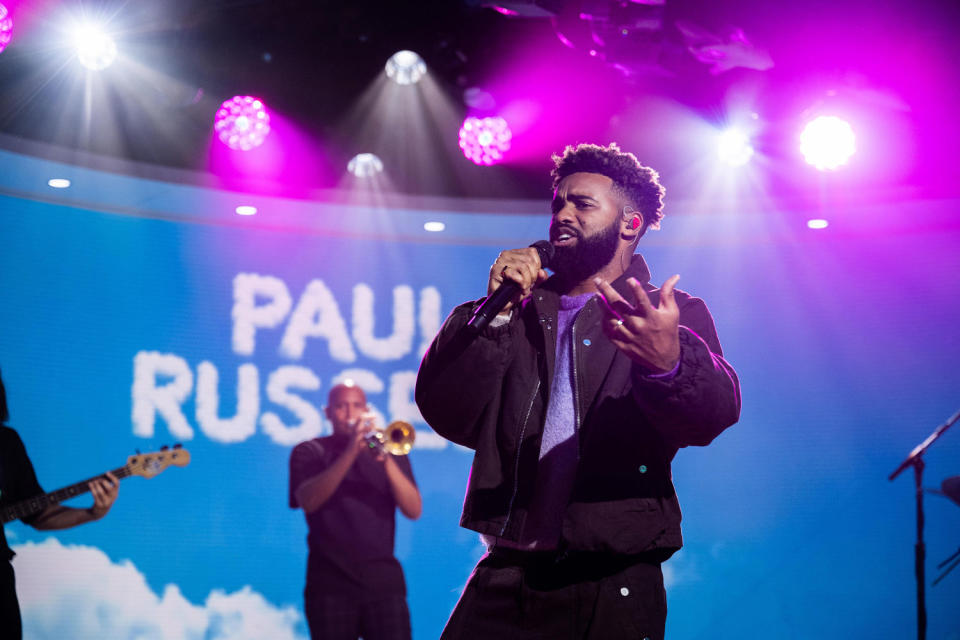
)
(40, 502)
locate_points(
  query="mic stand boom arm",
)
(915, 460)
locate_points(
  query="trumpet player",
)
(349, 488)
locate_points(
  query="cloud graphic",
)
(682, 568)
(77, 592)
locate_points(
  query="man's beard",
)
(589, 255)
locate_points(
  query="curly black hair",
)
(635, 183)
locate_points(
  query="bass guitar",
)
(146, 465)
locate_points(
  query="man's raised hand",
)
(646, 334)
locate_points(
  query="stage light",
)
(734, 148)
(434, 226)
(827, 142)
(95, 49)
(58, 183)
(242, 123)
(364, 165)
(405, 67)
(6, 28)
(817, 223)
(484, 141)
(246, 210)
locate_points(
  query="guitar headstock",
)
(150, 464)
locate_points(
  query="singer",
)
(576, 397)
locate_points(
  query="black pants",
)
(516, 595)
(10, 626)
(336, 616)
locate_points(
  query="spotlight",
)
(827, 142)
(242, 123)
(58, 183)
(364, 165)
(817, 223)
(734, 148)
(485, 141)
(6, 27)
(246, 210)
(434, 226)
(405, 67)
(96, 50)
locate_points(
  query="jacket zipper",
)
(516, 463)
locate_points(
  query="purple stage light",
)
(827, 142)
(242, 123)
(484, 141)
(6, 27)
(734, 148)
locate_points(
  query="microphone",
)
(508, 290)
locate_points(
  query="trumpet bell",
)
(396, 438)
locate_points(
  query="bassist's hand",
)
(104, 492)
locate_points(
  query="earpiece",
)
(637, 220)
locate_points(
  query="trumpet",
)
(396, 438)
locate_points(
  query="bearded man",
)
(576, 398)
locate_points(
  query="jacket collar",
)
(638, 269)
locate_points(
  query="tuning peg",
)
(164, 448)
(178, 446)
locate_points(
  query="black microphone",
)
(507, 291)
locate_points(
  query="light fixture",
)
(817, 223)
(58, 183)
(734, 148)
(484, 141)
(6, 27)
(364, 165)
(434, 226)
(96, 50)
(242, 123)
(246, 210)
(405, 67)
(827, 142)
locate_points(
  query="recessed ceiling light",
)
(434, 226)
(246, 210)
(817, 223)
(58, 183)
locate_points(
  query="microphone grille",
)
(545, 249)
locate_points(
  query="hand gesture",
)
(646, 334)
(520, 265)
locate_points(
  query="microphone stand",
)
(956, 561)
(915, 460)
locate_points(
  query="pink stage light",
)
(242, 123)
(827, 142)
(484, 141)
(6, 28)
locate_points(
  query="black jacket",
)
(490, 393)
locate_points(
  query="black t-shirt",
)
(18, 481)
(351, 535)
